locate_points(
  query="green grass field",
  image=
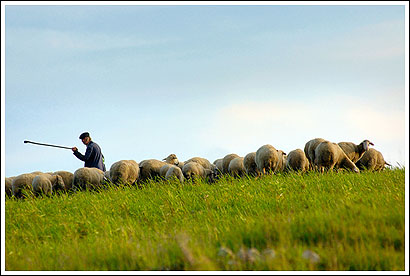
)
(335, 221)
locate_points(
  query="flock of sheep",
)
(318, 154)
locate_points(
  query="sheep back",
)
(23, 182)
(280, 167)
(236, 167)
(47, 183)
(226, 160)
(164, 169)
(266, 158)
(193, 170)
(330, 155)
(124, 171)
(371, 160)
(310, 148)
(150, 168)
(68, 178)
(250, 164)
(88, 178)
(174, 171)
(201, 161)
(297, 161)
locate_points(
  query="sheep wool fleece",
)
(93, 156)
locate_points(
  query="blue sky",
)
(196, 80)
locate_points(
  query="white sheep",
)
(250, 164)
(150, 168)
(297, 161)
(174, 171)
(124, 172)
(236, 167)
(163, 170)
(226, 160)
(218, 164)
(353, 151)
(280, 167)
(372, 160)
(22, 183)
(88, 178)
(194, 170)
(8, 185)
(46, 184)
(68, 178)
(310, 148)
(201, 161)
(330, 155)
(171, 159)
(269, 159)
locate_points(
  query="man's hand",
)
(74, 149)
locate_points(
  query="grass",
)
(349, 222)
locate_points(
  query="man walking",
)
(93, 156)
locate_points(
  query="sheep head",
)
(171, 159)
(211, 175)
(58, 183)
(365, 144)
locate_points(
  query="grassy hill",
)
(335, 221)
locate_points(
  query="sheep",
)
(218, 164)
(372, 160)
(268, 158)
(23, 182)
(174, 171)
(236, 167)
(88, 178)
(353, 151)
(124, 172)
(164, 169)
(297, 161)
(150, 168)
(226, 160)
(171, 159)
(68, 178)
(8, 185)
(250, 164)
(201, 161)
(193, 170)
(330, 155)
(309, 150)
(280, 167)
(47, 183)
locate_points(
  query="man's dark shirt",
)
(93, 157)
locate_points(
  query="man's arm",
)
(84, 157)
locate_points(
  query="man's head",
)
(85, 138)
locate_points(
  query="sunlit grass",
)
(352, 222)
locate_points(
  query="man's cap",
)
(83, 135)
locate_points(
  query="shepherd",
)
(93, 156)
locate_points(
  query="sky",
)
(199, 80)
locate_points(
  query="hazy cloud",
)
(67, 40)
(244, 126)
